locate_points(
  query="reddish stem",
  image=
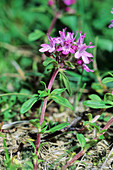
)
(73, 159)
(37, 146)
(43, 113)
(52, 24)
(108, 124)
(50, 29)
(82, 152)
(43, 110)
(56, 15)
(45, 101)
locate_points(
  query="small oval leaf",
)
(58, 91)
(81, 140)
(28, 104)
(94, 97)
(96, 104)
(62, 101)
(107, 80)
(35, 35)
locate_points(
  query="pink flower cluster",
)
(66, 46)
(111, 25)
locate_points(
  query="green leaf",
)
(65, 82)
(50, 60)
(57, 127)
(101, 137)
(62, 101)
(34, 121)
(102, 131)
(110, 74)
(107, 80)
(42, 93)
(39, 161)
(108, 97)
(97, 87)
(42, 82)
(94, 97)
(58, 91)
(96, 104)
(32, 144)
(92, 124)
(43, 130)
(69, 64)
(6, 152)
(43, 124)
(35, 35)
(28, 104)
(81, 139)
(90, 117)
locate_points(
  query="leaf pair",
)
(54, 95)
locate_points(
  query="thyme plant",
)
(63, 52)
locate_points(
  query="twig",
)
(20, 71)
(14, 124)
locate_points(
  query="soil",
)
(60, 146)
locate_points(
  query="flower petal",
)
(86, 68)
(77, 54)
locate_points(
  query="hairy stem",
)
(43, 113)
(45, 101)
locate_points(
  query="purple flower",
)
(86, 68)
(49, 47)
(111, 25)
(69, 2)
(66, 42)
(66, 47)
(112, 11)
(81, 52)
